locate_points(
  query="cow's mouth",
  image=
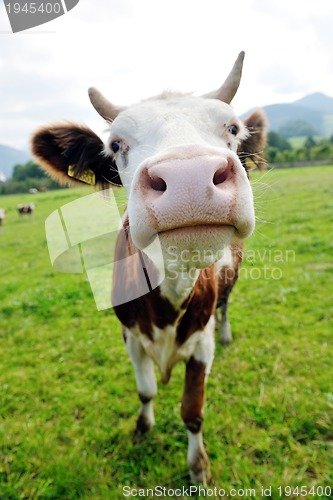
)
(200, 237)
(197, 229)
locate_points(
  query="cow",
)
(182, 161)
(2, 215)
(26, 209)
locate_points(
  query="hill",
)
(317, 101)
(315, 111)
(9, 157)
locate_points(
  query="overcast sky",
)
(131, 49)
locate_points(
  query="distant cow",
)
(26, 209)
(179, 158)
(2, 215)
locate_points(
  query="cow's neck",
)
(175, 276)
(178, 283)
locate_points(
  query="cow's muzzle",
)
(189, 188)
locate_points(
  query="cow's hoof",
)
(199, 468)
(200, 476)
(143, 425)
(226, 335)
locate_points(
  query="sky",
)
(132, 49)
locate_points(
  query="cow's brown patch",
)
(193, 396)
(199, 306)
(228, 275)
(149, 308)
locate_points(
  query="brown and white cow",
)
(26, 209)
(179, 158)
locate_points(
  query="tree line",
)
(280, 150)
(27, 176)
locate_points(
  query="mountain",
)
(315, 110)
(318, 101)
(9, 157)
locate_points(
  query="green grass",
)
(68, 400)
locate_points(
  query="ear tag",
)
(87, 176)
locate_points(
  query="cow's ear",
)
(250, 150)
(73, 154)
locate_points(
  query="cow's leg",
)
(145, 381)
(226, 335)
(228, 276)
(197, 370)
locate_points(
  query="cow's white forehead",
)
(157, 114)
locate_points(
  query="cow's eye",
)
(233, 129)
(115, 146)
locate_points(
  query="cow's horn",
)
(104, 107)
(228, 90)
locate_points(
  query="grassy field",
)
(68, 400)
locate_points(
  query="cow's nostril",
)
(158, 184)
(220, 176)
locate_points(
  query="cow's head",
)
(178, 157)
